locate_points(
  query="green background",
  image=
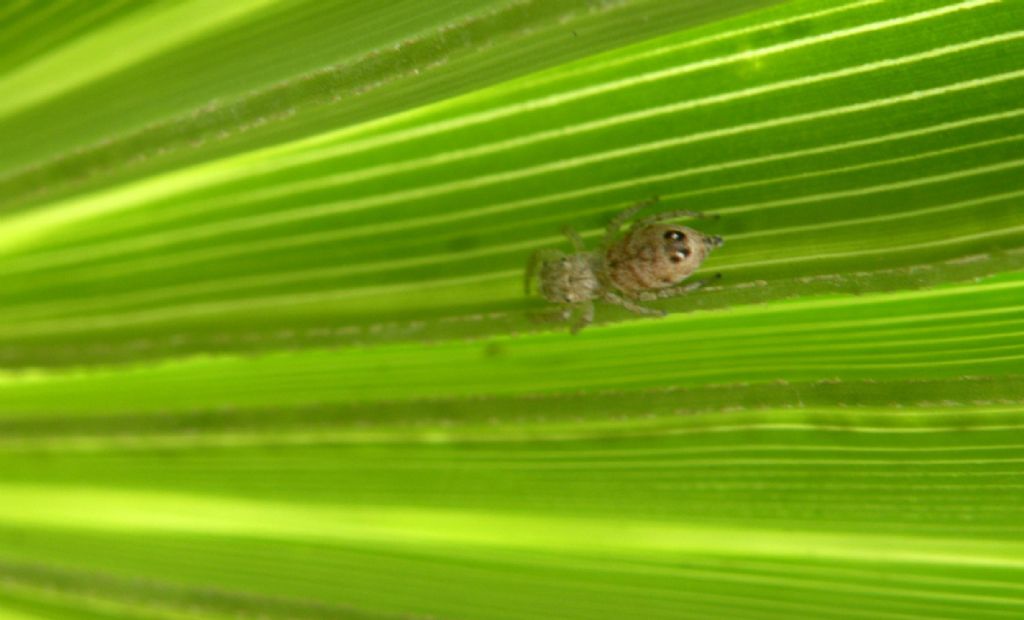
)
(264, 350)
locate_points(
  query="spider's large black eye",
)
(675, 235)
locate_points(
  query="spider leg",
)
(671, 215)
(632, 306)
(574, 239)
(616, 222)
(536, 258)
(676, 291)
(586, 317)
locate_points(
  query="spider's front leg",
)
(586, 317)
(574, 238)
(615, 225)
(676, 291)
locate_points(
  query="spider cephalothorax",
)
(646, 264)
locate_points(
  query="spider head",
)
(679, 250)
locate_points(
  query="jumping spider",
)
(644, 265)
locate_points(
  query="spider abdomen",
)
(570, 279)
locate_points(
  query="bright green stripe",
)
(11, 614)
(993, 234)
(139, 511)
(93, 57)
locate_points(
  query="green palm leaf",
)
(264, 350)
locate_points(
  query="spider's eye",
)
(675, 235)
(679, 255)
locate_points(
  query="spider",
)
(646, 264)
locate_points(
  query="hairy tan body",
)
(647, 263)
